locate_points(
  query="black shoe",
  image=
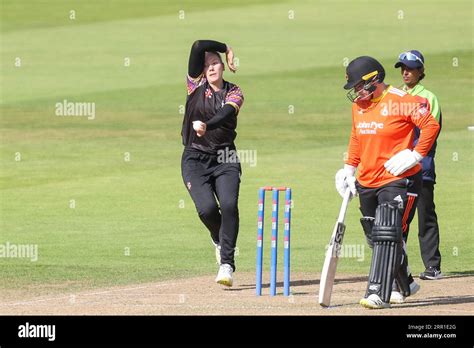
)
(431, 273)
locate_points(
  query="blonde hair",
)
(217, 54)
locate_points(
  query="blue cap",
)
(412, 59)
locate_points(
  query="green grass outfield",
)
(141, 205)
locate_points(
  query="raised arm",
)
(197, 55)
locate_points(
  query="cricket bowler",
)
(208, 130)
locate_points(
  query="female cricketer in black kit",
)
(208, 134)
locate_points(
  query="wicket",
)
(274, 243)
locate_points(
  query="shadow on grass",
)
(436, 301)
(296, 283)
(356, 279)
(431, 301)
(458, 274)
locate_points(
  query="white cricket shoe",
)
(374, 302)
(397, 297)
(224, 277)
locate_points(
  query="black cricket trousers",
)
(404, 191)
(214, 187)
(428, 229)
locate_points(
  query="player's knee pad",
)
(367, 223)
(387, 224)
(387, 251)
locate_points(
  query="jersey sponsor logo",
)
(369, 127)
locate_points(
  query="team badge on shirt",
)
(423, 110)
(208, 93)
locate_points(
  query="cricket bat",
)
(332, 254)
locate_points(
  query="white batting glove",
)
(345, 178)
(402, 161)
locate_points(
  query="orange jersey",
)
(381, 128)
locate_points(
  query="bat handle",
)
(345, 202)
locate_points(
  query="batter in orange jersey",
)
(382, 128)
(388, 174)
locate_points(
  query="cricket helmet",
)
(366, 70)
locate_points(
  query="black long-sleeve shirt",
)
(217, 109)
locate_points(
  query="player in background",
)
(389, 179)
(211, 177)
(412, 68)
